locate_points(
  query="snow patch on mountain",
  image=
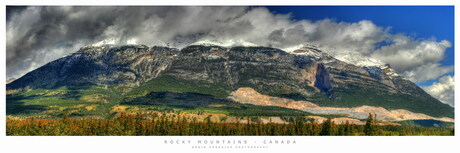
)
(319, 52)
(314, 53)
(373, 66)
(357, 59)
(388, 70)
(228, 43)
(370, 64)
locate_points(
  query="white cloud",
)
(443, 90)
(357, 37)
(37, 29)
(429, 71)
(406, 53)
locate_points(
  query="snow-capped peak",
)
(357, 59)
(388, 70)
(228, 43)
(312, 51)
(349, 57)
(365, 61)
(345, 56)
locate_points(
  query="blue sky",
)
(419, 22)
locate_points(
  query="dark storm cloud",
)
(61, 29)
(10, 10)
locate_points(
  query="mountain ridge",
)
(217, 71)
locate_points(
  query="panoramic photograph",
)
(229, 70)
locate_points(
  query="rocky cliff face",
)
(266, 69)
(306, 74)
(105, 65)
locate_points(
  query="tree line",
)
(162, 124)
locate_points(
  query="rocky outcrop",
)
(250, 96)
(322, 80)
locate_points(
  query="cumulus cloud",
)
(408, 54)
(429, 71)
(37, 35)
(443, 90)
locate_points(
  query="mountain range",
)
(228, 80)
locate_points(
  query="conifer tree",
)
(348, 128)
(327, 127)
(370, 128)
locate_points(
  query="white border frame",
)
(155, 144)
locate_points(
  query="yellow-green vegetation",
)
(96, 98)
(89, 101)
(162, 124)
(8, 92)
